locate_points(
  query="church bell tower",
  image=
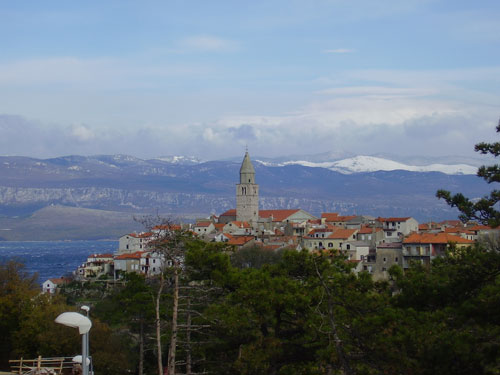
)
(247, 193)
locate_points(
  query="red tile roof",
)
(382, 219)
(278, 215)
(457, 230)
(479, 227)
(329, 215)
(229, 236)
(341, 234)
(368, 230)
(203, 224)
(240, 224)
(441, 238)
(322, 230)
(240, 240)
(340, 219)
(136, 255)
(101, 256)
(231, 212)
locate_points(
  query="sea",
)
(51, 259)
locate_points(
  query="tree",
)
(131, 309)
(484, 209)
(446, 318)
(17, 288)
(168, 240)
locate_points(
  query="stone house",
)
(424, 247)
(395, 228)
(52, 285)
(133, 242)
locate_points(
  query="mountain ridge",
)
(128, 184)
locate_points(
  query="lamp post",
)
(86, 309)
(76, 320)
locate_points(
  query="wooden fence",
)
(42, 366)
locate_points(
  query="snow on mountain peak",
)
(177, 159)
(363, 163)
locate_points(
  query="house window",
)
(127, 247)
(330, 244)
(384, 269)
(385, 260)
(348, 247)
(396, 259)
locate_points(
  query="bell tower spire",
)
(247, 193)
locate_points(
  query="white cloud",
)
(208, 134)
(418, 112)
(82, 133)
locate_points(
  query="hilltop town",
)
(371, 244)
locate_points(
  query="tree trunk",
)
(141, 348)
(158, 324)
(341, 354)
(188, 338)
(173, 338)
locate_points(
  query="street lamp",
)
(86, 309)
(76, 320)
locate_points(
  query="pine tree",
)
(485, 210)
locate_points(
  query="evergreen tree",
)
(485, 210)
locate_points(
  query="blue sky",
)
(207, 78)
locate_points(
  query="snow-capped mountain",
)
(362, 163)
(179, 159)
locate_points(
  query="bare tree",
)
(168, 240)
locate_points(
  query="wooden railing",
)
(42, 366)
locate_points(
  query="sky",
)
(210, 78)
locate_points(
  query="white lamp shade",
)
(75, 320)
(78, 359)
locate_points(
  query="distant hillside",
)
(122, 185)
(67, 223)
